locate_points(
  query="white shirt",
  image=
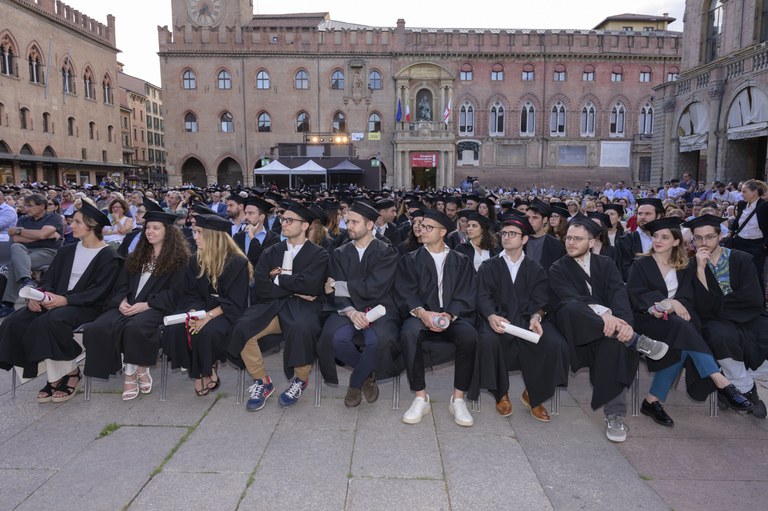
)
(142, 282)
(584, 263)
(83, 257)
(670, 279)
(513, 266)
(479, 257)
(645, 241)
(751, 230)
(439, 259)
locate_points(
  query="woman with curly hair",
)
(148, 288)
(217, 280)
(481, 243)
(119, 223)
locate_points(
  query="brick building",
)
(713, 121)
(59, 116)
(481, 102)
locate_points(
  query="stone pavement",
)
(209, 453)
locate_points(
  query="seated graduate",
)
(149, 287)
(459, 234)
(602, 243)
(413, 238)
(542, 247)
(729, 302)
(77, 282)
(254, 238)
(318, 232)
(360, 277)
(385, 227)
(662, 280)
(481, 242)
(335, 230)
(216, 281)
(285, 302)
(513, 289)
(436, 293)
(595, 317)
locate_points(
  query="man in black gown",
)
(633, 244)
(360, 277)
(255, 237)
(384, 226)
(542, 247)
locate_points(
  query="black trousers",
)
(755, 248)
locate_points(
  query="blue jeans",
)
(663, 380)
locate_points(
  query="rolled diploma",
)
(522, 333)
(287, 266)
(175, 319)
(30, 293)
(375, 313)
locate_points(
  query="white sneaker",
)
(419, 408)
(461, 415)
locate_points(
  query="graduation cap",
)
(441, 218)
(330, 205)
(454, 200)
(418, 213)
(511, 213)
(365, 209)
(703, 221)
(198, 208)
(236, 197)
(507, 204)
(213, 222)
(319, 213)
(604, 219)
(590, 225)
(649, 201)
(273, 196)
(488, 202)
(384, 204)
(151, 205)
(484, 221)
(540, 207)
(618, 208)
(94, 213)
(561, 209)
(464, 213)
(672, 222)
(521, 222)
(264, 206)
(301, 210)
(159, 216)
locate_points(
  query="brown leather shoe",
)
(353, 397)
(537, 412)
(504, 407)
(370, 389)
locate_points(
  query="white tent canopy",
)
(310, 167)
(273, 168)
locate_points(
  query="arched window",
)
(616, 128)
(8, 57)
(302, 122)
(558, 74)
(528, 120)
(262, 80)
(35, 65)
(92, 130)
(465, 73)
(497, 73)
(497, 119)
(646, 75)
(528, 73)
(110, 133)
(337, 80)
(264, 124)
(587, 128)
(714, 30)
(589, 73)
(646, 119)
(557, 120)
(339, 124)
(374, 80)
(466, 119)
(374, 123)
(227, 123)
(67, 77)
(190, 123)
(674, 72)
(224, 80)
(71, 126)
(88, 89)
(106, 86)
(24, 118)
(46, 122)
(189, 80)
(617, 73)
(301, 80)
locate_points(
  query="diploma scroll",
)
(287, 266)
(30, 293)
(375, 313)
(175, 319)
(522, 333)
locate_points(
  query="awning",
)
(63, 161)
(310, 167)
(695, 142)
(345, 167)
(273, 168)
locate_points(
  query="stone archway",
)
(229, 172)
(193, 171)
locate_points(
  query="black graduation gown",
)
(122, 250)
(454, 239)
(277, 227)
(210, 343)
(369, 282)
(393, 234)
(28, 337)
(628, 247)
(137, 337)
(552, 250)
(468, 250)
(646, 287)
(612, 365)
(734, 325)
(544, 365)
(299, 318)
(340, 238)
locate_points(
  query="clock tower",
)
(212, 13)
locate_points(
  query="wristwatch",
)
(18, 231)
(210, 315)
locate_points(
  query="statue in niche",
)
(425, 110)
(357, 81)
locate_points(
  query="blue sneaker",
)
(259, 392)
(292, 393)
(6, 310)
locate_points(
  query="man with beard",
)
(236, 212)
(360, 277)
(541, 246)
(633, 244)
(254, 238)
(595, 316)
(384, 226)
(452, 207)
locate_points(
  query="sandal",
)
(68, 390)
(130, 387)
(201, 387)
(145, 381)
(46, 393)
(214, 384)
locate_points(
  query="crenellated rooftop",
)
(63, 13)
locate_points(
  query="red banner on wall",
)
(424, 160)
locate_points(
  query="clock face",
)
(206, 13)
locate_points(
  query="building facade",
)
(713, 121)
(59, 116)
(430, 105)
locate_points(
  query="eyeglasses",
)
(708, 237)
(51, 204)
(289, 221)
(428, 227)
(575, 239)
(280, 211)
(511, 234)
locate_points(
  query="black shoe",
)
(731, 397)
(758, 406)
(656, 412)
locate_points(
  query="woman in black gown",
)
(148, 288)
(482, 243)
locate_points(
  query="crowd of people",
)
(540, 281)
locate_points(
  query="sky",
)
(137, 20)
